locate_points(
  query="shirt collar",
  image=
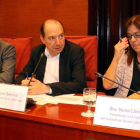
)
(48, 54)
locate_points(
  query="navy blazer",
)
(72, 75)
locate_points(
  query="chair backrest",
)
(89, 43)
(23, 48)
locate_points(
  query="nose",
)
(57, 41)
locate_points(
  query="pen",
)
(27, 75)
(30, 79)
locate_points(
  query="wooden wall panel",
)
(104, 18)
(111, 17)
(23, 18)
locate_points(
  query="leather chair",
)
(23, 48)
(89, 43)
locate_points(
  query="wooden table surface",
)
(61, 121)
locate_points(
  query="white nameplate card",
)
(13, 97)
(117, 112)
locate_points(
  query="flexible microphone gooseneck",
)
(33, 74)
(100, 75)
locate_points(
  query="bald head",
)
(49, 24)
(52, 35)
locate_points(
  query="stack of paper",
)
(66, 99)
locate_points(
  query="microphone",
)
(100, 75)
(33, 74)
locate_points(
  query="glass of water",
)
(89, 98)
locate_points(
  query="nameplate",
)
(13, 97)
(117, 112)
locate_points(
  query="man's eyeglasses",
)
(136, 36)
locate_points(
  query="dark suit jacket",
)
(72, 75)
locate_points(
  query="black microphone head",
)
(42, 54)
(98, 74)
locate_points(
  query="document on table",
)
(66, 99)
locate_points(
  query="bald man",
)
(61, 69)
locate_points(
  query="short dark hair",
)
(43, 25)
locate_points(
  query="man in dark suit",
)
(61, 69)
(7, 62)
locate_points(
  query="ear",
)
(42, 39)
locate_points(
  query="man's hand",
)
(25, 82)
(36, 87)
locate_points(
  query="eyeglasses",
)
(136, 36)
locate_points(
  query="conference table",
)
(57, 122)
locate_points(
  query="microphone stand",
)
(100, 75)
(33, 74)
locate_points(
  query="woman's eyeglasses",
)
(135, 35)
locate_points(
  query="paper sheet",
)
(66, 99)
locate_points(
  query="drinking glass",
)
(89, 98)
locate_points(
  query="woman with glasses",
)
(125, 66)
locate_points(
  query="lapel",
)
(62, 64)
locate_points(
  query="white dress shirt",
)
(52, 68)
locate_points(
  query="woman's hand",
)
(120, 48)
(111, 71)
(134, 96)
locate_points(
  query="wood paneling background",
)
(111, 17)
(23, 18)
(104, 18)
